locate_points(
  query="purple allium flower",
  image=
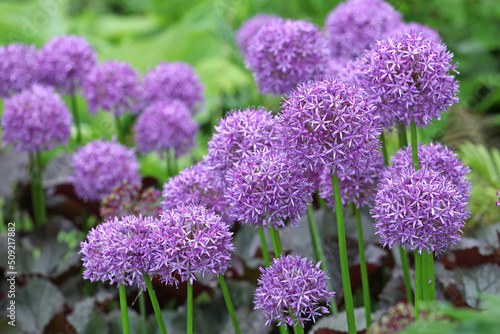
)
(165, 125)
(100, 165)
(239, 134)
(408, 78)
(121, 250)
(266, 188)
(355, 187)
(193, 240)
(498, 194)
(18, 68)
(249, 29)
(65, 61)
(292, 290)
(35, 120)
(113, 86)
(329, 124)
(285, 53)
(354, 25)
(437, 157)
(426, 31)
(422, 210)
(175, 80)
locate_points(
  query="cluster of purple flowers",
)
(18, 68)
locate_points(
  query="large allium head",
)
(113, 86)
(239, 134)
(266, 188)
(165, 125)
(408, 77)
(65, 61)
(175, 80)
(249, 29)
(354, 25)
(35, 120)
(329, 124)
(18, 68)
(101, 165)
(121, 250)
(437, 157)
(292, 290)
(422, 210)
(193, 240)
(285, 53)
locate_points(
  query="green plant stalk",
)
(119, 130)
(298, 329)
(189, 308)
(406, 274)
(37, 189)
(74, 109)
(384, 148)
(364, 271)
(432, 277)
(229, 304)
(418, 283)
(265, 251)
(142, 307)
(403, 138)
(414, 147)
(123, 307)
(156, 306)
(283, 329)
(41, 194)
(344, 266)
(425, 277)
(34, 191)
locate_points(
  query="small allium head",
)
(18, 68)
(498, 194)
(176, 80)
(249, 29)
(113, 86)
(422, 210)
(65, 61)
(426, 31)
(285, 53)
(121, 250)
(35, 120)
(266, 188)
(408, 78)
(193, 240)
(292, 290)
(354, 25)
(329, 124)
(165, 125)
(100, 165)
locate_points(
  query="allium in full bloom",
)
(113, 86)
(422, 210)
(498, 194)
(249, 29)
(165, 125)
(407, 76)
(285, 53)
(193, 239)
(65, 61)
(292, 290)
(175, 80)
(100, 165)
(329, 124)
(35, 120)
(266, 188)
(354, 25)
(18, 68)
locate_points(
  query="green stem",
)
(189, 308)
(123, 306)
(168, 163)
(364, 271)
(406, 275)
(414, 147)
(298, 329)
(142, 307)
(229, 304)
(344, 266)
(34, 190)
(425, 277)
(384, 148)
(432, 277)
(283, 329)
(119, 129)
(41, 194)
(403, 138)
(418, 283)
(156, 306)
(265, 251)
(74, 109)
(275, 236)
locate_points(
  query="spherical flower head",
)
(193, 240)
(435, 156)
(249, 29)
(285, 53)
(113, 86)
(121, 250)
(329, 124)
(408, 78)
(65, 61)
(354, 25)
(422, 210)
(166, 125)
(426, 31)
(35, 120)
(498, 194)
(266, 188)
(100, 165)
(238, 135)
(176, 80)
(292, 290)
(18, 68)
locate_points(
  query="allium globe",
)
(249, 29)
(35, 120)
(292, 290)
(19, 68)
(498, 194)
